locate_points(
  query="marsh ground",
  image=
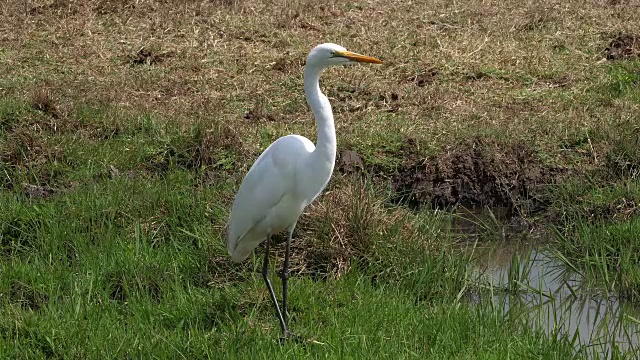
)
(125, 127)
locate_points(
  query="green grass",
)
(130, 264)
(116, 177)
(82, 277)
(351, 318)
(598, 231)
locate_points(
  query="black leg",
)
(265, 275)
(285, 277)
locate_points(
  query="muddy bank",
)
(475, 172)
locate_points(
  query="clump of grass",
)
(623, 46)
(606, 253)
(121, 286)
(537, 19)
(319, 252)
(17, 233)
(598, 233)
(148, 57)
(348, 224)
(624, 79)
(202, 148)
(351, 228)
(593, 203)
(42, 100)
(27, 296)
(28, 156)
(623, 160)
(13, 113)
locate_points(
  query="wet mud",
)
(475, 173)
(623, 46)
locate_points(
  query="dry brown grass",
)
(523, 72)
(42, 100)
(352, 224)
(226, 59)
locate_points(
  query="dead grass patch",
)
(104, 7)
(37, 191)
(346, 225)
(225, 55)
(222, 271)
(42, 100)
(289, 64)
(51, 7)
(537, 18)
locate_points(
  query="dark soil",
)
(147, 57)
(475, 173)
(623, 46)
(258, 113)
(285, 64)
(424, 77)
(349, 161)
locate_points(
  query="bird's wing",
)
(262, 188)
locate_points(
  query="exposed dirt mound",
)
(623, 46)
(475, 173)
(259, 113)
(424, 77)
(148, 57)
(349, 161)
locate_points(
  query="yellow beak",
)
(358, 57)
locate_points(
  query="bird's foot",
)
(288, 336)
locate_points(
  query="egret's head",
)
(328, 54)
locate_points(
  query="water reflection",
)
(536, 287)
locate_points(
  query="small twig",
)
(593, 152)
(486, 38)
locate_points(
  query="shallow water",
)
(533, 284)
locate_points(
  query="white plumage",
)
(274, 193)
(288, 176)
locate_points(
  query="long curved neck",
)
(326, 143)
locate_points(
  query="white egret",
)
(288, 176)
